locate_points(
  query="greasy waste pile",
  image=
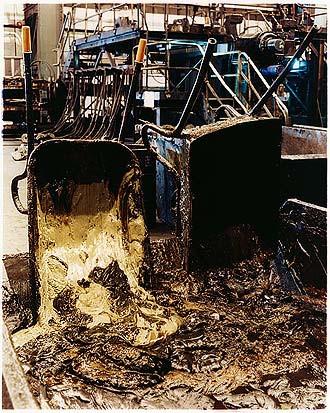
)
(227, 338)
(89, 262)
(243, 343)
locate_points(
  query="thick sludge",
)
(244, 343)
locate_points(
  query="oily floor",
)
(245, 343)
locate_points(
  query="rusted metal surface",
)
(234, 180)
(89, 247)
(57, 170)
(302, 140)
(6, 401)
(246, 340)
(16, 294)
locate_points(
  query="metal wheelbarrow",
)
(88, 242)
(227, 185)
(226, 180)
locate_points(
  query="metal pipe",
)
(267, 23)
(130, 99)
(29, 102)
(197, 86)
(214, 93)
(66, 17)
(132, 90)
(296, 96)
(280, 104)
(27, 51)
(100, 70)
(233, 112)
(165, 67)
(26, 45)
(101, 12)
(224, 84)
(320, 69)
(192, 98)
(186, 75)
(256, 93)
(285, 71)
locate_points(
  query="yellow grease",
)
(91, 235)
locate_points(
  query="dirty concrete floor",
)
(15, 236)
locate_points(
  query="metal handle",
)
(26, 39)
(14, 193)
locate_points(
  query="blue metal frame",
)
(105, 39)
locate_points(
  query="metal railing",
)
(245, 73)
(62, 41)
(70, 26)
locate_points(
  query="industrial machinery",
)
(157, 226)
(248, 59)
(180, 199)
(94, 111)
(14, 106)
(172, 55)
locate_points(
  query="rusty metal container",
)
(227, 181)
